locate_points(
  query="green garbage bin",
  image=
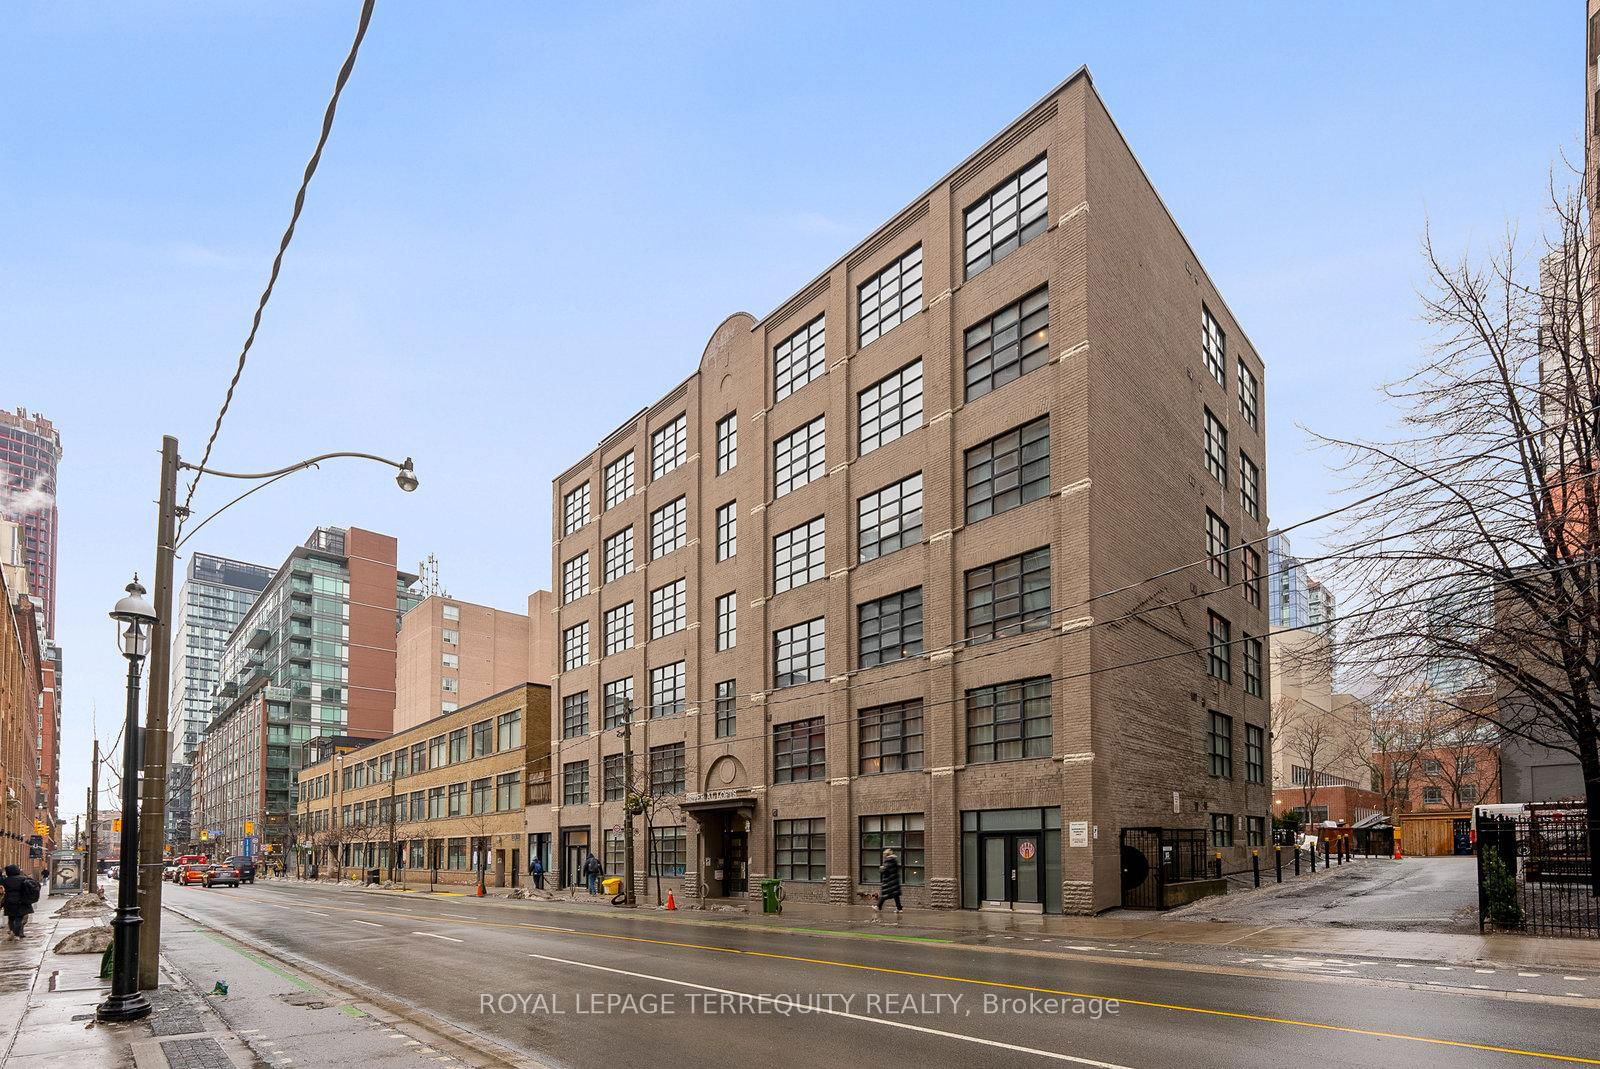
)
(772, 896)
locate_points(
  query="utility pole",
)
(93, 818)
(152, 831)
(627, 802)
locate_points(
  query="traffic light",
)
(116, 825)
(249, 827)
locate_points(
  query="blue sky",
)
(531, 217)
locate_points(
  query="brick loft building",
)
(841, 575)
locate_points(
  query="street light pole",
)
(155, 768)
(148, 851)
(627, 802)
(126, 1001)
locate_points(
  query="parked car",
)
(193, 874)
(221, 876)
(112, 871)
(169, 871)
(245, 867)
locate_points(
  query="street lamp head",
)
(135, 619)
(407, 479)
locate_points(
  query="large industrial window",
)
(669, 446)
(575, 509)
(900, 832)
(619, 628)
(799, 751)
(799, 358)
(575, 715)
(1213, 346)
(890, 518)
(1009, 344)
(889, 628)
(1008, 471)
(1009, 596)
(619, 554)
(798, 652)
(1011, 214)
(669, 608)
(619, 479)
(800, 456)
(1220, 745)
(666, 689)
(890, 737)
(890, 297)
(1008, 721)
(890, 408)
(800, 849)
(666, 769)
(669, 527)
(798, 555)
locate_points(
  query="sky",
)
(530, 218)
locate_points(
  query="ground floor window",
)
(615, 846)
(1222, 829)
(416, 860)
(900, 832)
(1257, 830)
(668, 851)
(801, 849)
(456, 855)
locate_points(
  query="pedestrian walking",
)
(538, 873)
(591, 872)
(889, 874)
(20, 893)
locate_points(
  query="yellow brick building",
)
(441, 802)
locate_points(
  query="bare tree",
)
(1475, 548)
(1314, 742)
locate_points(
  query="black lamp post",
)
(135, 621)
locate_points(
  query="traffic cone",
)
(671, 902)
(1397, 855)
(480, 891)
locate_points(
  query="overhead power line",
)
(283, 247)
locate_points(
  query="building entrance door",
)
(1011, 871)
(574, 851)
(736, 859)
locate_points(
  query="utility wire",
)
(283, 246)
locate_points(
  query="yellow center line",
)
(1170, 1006)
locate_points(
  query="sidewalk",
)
(1122, 926)
(272, 1016)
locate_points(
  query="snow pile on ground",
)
(91, 940)
(87, 904)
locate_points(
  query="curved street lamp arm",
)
(310, 463)
(258, 486)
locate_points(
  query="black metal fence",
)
(1153, 858)
(1534, 875)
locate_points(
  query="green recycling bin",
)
(772, 896)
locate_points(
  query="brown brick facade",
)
(1124, 388)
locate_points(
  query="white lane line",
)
(1485, 972)
(886, 1022)
(1575, 994)
(369, 924)
(314, 913)
(432, 935)
(1443, 968)
(1527, 974)
(1573, 978)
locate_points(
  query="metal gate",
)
(1141, 869)
(1535, 875)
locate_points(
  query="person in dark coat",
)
(889, 874)
(538, 873)
(18, 900)
(592, 871)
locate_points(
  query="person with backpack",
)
(889, 872)
(538, 872)
(591, 871)
(21, 892)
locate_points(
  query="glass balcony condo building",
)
(313, 657)
(215, 595)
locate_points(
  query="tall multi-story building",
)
(22, 798)
(30, 452)
(892, 568)
(1320, 607)
(313, 656)
(215, 594)
(453, 653)
(1290, 603)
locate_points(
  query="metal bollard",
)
(1277, 861)
(1255, 865)
(1313, 858)
(1297, 861)
(1218, 864)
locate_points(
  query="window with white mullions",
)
(800, 457)
(669, 446)
(619, 479)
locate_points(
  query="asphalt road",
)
(602, 990)
(1424, 894)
